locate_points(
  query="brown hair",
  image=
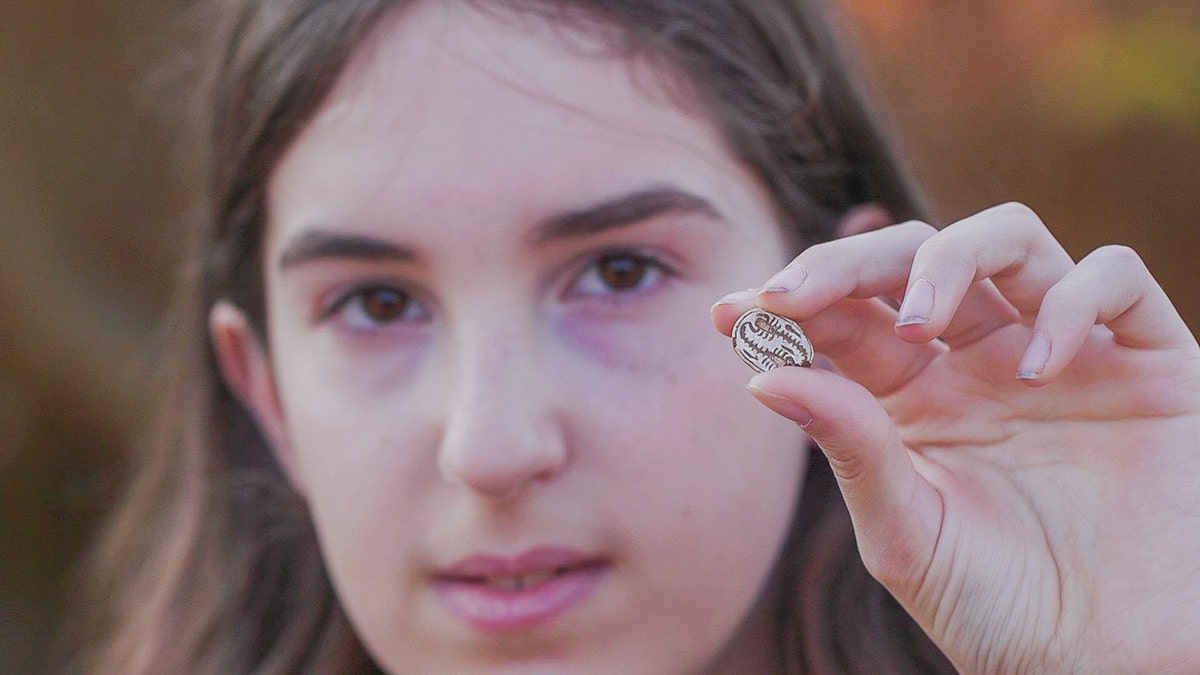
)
(210, 564)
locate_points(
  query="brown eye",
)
(375, 307)
(383, 305)
(621, 275)
(622, 272)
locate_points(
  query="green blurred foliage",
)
(1121, 71)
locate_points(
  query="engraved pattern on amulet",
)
(766, 341)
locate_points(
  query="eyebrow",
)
(318, 244)
(622, 211)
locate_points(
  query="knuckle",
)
(907, 234)
(1118, 255)
(1018, 212)
(893, 563)
(1009, 217)
(1063, 294)
(946, 247)
(923, 237)
(894, 558)
(1006, 235)
(917, 229)
(849, 467)
(817, 254)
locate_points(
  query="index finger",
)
(856, 335)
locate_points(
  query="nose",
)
(503, 423)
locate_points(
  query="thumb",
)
(896, 512)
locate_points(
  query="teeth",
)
(519, 582)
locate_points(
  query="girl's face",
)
(490, 259)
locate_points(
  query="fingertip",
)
(810, 397)
(779, 403)
(1032, 369)
(786, 280)
(916, 333)
(915, 320)
(918, 304)
(725, 312)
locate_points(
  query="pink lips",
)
(496, 594)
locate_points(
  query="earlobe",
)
(243, 361)
(864, 218)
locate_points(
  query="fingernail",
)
(783, 406)
(918, 304)
(736, 298)
(1037, 354)
(785, 280)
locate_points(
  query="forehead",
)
(441, 80)
(450, 117)
(452, 48)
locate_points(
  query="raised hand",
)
(1018, 445)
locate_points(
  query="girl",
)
(448, 399)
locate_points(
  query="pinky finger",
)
(1110, 286)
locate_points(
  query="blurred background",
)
(1088, 110)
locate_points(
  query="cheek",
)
(680, 428)
(657, 339)
(366, 475)
(703, 482)
(369, 499)
(703, 444)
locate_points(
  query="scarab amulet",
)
(766, 341)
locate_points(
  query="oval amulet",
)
(766, 341)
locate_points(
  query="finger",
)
(896, 512)
(857, 336)
(1110, 286)
(874, 264)
(1008, 245)
(728, 309)
(982, 310)
(863, 266)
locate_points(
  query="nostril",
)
(500, 434)
(498, 469)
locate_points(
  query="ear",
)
(859, 219)
(243, 361)
(864, 218)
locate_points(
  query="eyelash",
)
(352, 309)
(649, 270)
